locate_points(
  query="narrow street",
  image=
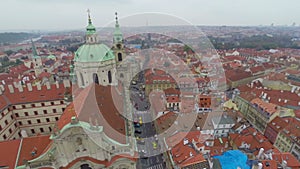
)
(145, 132)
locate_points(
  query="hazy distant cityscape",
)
(175, 96)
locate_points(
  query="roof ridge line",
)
(18, 155)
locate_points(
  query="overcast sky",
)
(71, 14)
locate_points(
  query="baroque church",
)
(96, 62)
(91, 133)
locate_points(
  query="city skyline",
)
(56, 15)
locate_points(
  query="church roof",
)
(93, 53)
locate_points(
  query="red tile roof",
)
(35, 95)
(33, 147)
(253, 138)
(268, 107)
(289, 158)
(9, 152)
(184, 155)
(104, 105)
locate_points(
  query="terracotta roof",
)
(105, 162)
(173, 99)
(236, 75)
(184, 154)
(292, 130)
(9, 153)
(65, 118)
(269, 164)
(44, 74)
(268, 107)
(254, 138)
(102, 104)
(278, 123)
(171, 91)
(289, 158)
(33, 147)
(35, 95)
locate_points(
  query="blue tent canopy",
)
(233, 159)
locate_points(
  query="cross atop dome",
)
(117, 23)
(89, 16)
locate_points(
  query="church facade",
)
(95, 62)
(87, 135)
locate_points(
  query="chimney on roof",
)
(48, 85)
(279, 100)
(38, 86)
(265, 96)
(260, 166)
(261, 150)
(66, 83)
(11, 88)
(285, 101)
(20, 87)
(29, 87)
(24, 133)
(57, 84)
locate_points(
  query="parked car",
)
(137, 131)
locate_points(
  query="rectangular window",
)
(56, 118)
(47, 119)
(43, 104)
(36, 113)
(52, 103)
(45, 111)
(10, 131)
(32, 131)
(19, 134)
(0, 127)
(17, 115)
(32, 105)
(23, 106)
(42, 130)
(38, 121)
(63, 109)
(15, 124)
(6, 122)
(4, 137)
(54, 110)
(14, 107)
(28, 121)
(50, 129)
(61, 102)
(26, 113)
(20, 123)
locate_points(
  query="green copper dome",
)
(90, 29)
(93, 53)
(51, 57)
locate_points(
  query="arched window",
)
(95, 78)
(120, 57)
(85, 166)
(109, 76)
(82, 80)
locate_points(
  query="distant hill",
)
(9, 37)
